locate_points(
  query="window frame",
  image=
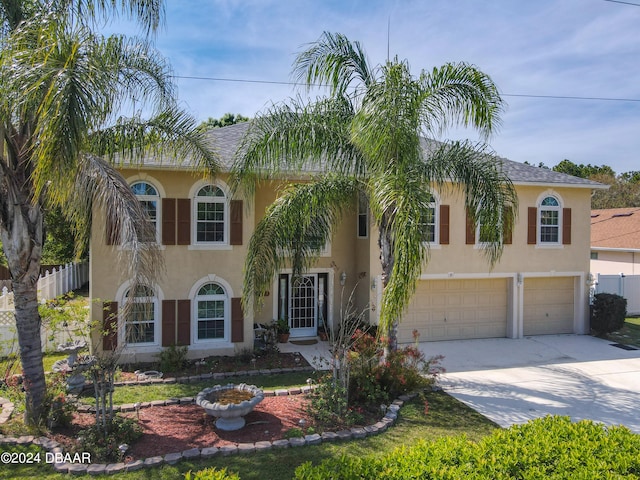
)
(151, 300)
(559, 220)
(207, 200)
(435, 205)
(197, 298)
(157, 198)
(362, 216)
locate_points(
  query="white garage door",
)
(456, 309)
(548, 305)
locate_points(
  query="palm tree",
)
(367, 138)
(62, 87)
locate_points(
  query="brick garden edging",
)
(49, 445)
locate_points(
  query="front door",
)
(301, 300)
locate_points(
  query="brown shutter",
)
(235, 222)
(566, 226)
(113, 233)
(237, 321)
(532, 225)
(168, 221)
(444, 224)
(168, 323)
(184, 322)
(470, 231)
(507, 226)
(110, 325)
(184, 221)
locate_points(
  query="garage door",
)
(548, 305)
(456, 309)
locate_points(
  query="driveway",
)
(513, 381)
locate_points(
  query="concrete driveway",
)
(513, 381)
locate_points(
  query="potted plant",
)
(282, 329)
(324, 333)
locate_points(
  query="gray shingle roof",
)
(227, 139)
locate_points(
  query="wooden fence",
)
(50, 285)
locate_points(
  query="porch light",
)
(343, 278)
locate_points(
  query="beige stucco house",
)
(538, 287)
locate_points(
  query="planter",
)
(229, 411)
(283, 337)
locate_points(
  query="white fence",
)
(50, 285)
(627, 286)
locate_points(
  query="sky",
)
(532, 49)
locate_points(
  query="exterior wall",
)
(615, 262)
(521, 264)
(458, 257)
(189, 266)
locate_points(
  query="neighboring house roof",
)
(225, 140)
(615, 228)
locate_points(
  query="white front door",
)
(303, 306)
(303, 301)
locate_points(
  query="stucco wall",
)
(616, 262)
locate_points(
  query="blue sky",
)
(582, 48)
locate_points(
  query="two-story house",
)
(538, 287)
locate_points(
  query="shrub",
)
(104, 447)
(552, 447)
(374, 379)
(609, 312)
(173, 358)
(211, 474)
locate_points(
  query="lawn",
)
(446, 417)
(162, 391)
(629, 334)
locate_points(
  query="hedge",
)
(551, 448)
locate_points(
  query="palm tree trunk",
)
(22, 241)
(386, 260)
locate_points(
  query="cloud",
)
(546, 47)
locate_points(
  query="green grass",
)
(446, 417)
(629, 334)
(147, 393)
(48, 360)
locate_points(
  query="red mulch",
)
(177, 428)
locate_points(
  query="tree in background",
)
(62, 90)
(624, 189)
(224, 121)
(366, 139)
(582, 171)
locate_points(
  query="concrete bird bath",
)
(229, 403)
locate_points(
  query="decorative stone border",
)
(54, 447)
(7, 409)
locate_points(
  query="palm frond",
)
(171, 134)
(387, 125)
(97, 186)
(294, 230)
(291, 138)
(334, 60)
(490, 196)
(460, 94)
(399, 203)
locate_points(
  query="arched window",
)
(212, 313)
(549, 220)
(211, 215)
(141, 323)
(150, 200)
